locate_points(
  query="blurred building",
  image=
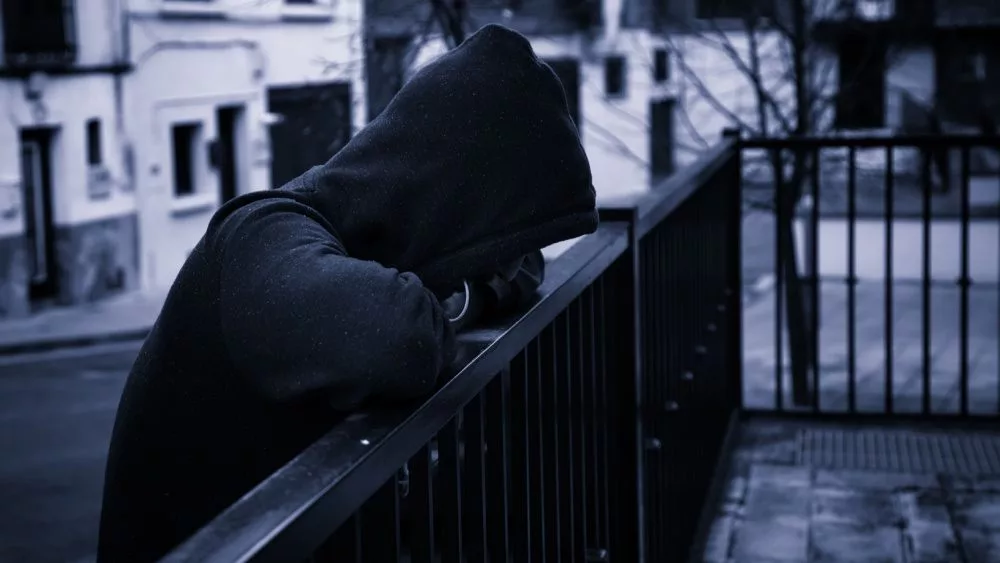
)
(128, 122)
(617, 75)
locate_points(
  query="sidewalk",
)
(125, 317)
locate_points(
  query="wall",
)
(615, 132)
(192, 59)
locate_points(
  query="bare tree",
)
(773, 58)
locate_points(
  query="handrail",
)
(879, 141)
(320, 488)
(651, 207)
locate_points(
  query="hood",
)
(474, 163)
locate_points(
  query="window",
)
(94, 157)
(731, 9)
(185, 140)
(614, 76)
(861, 99)
(38, 32)
(661, 65)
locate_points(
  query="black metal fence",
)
(590, 428)
(586, 429)
(888, 316)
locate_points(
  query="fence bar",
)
(852, 279)
(964, 283)
(498, 495)
(522, 517)
(450, 481)
(474, 479)
(549, 411)
(925, 286)
(580, 414)
(601, 390)
(815, 278)
(734, 322)
(421, 504)
(889, 337)
(562, 403)
(380, 533)
(779, 279)
(540, 516)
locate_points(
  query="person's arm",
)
(299, 317)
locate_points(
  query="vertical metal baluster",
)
(578, 402)
(852, 211)
(925, 286)
(380, 530)
(421, 505)
(498, 468)
(779, 282)
(474, 479)
(450, 473)
(815, 287)
(964, 283)
(540, 530)
(588, 400)
(889, 337)
(601, 392)
(564, 415)
(523, 516)
(549, 405)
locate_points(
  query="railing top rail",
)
(920, 140)
(648, 209)
(287, 516)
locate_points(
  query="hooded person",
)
(304, 303)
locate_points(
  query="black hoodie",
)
(303, 303)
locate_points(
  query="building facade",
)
(68, 219)
(617, 75)
(128, 122)
(228, 97)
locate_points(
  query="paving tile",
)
(869, 509)
(769, 502)
(771, 541)
(783, 476)
(980, 547)
(720, 536)
(931, 543)
(872, 480)
(845, 543)
(979, 511)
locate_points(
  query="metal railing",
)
(585, 429)
(915, 188)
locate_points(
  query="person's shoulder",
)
(249, 215)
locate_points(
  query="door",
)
(315, 123)
(861, 96)
(229, 121)
(39, 227)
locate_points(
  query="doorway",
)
(39, 225)
(862, 68)
(315, 124)
(229, 120)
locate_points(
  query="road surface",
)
(55, 422)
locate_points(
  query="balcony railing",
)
(594, 426)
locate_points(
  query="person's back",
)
(305, 303)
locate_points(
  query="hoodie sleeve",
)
(299, 317)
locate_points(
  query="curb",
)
(78, 341)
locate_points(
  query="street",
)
(57, 412)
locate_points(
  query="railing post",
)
(734, 276)
(628, 540)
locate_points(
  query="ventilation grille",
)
(899, 451)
